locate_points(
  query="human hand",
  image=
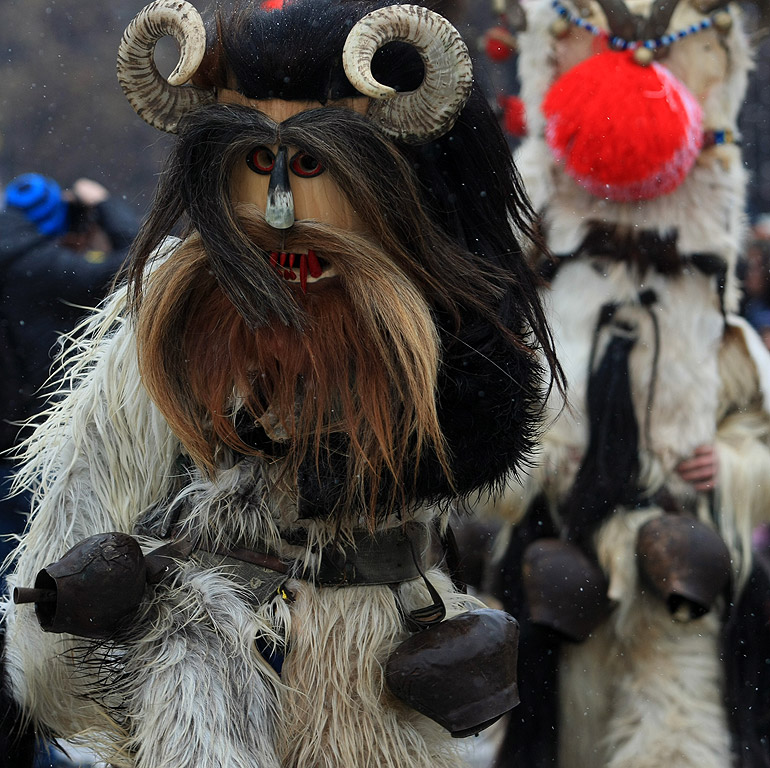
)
(701, 469)
(89, 193)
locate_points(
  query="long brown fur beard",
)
(364, 363)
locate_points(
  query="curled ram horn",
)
(430, 111)
(158, 101)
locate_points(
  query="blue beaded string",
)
(618, 43)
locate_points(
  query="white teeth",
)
(327, 273)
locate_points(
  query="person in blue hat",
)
(59, 252)
(40, 199)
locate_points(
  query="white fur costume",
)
(644, 690)
(192, 689)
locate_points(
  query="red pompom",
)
(272, 5)
(623, 131)
(514, 118)
(499, 44)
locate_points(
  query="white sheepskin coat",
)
(646, 691)
(190, 688)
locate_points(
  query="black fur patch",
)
(746, 652)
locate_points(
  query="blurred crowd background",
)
(62, 111)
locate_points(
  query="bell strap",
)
(374, 558)
(388, 556)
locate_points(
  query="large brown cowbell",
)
(460, 672)
(566, 591)
(92, 590)
(685, 561)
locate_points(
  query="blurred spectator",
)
(59, 251)
(756, 285)
(761, 228)
(491, 28)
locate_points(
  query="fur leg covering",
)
(645, 690)
(339, 642)
(192, 683)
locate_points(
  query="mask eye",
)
(305, 165)
(261, 160)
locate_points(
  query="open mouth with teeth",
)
(302, 268)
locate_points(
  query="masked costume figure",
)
(236, 487)
(627, 557)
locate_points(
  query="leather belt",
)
(380, 557)
(373, 558)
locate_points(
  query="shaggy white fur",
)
(188, 686)
(644, 690)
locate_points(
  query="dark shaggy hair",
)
(447, 213)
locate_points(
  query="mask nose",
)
(279, 209)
